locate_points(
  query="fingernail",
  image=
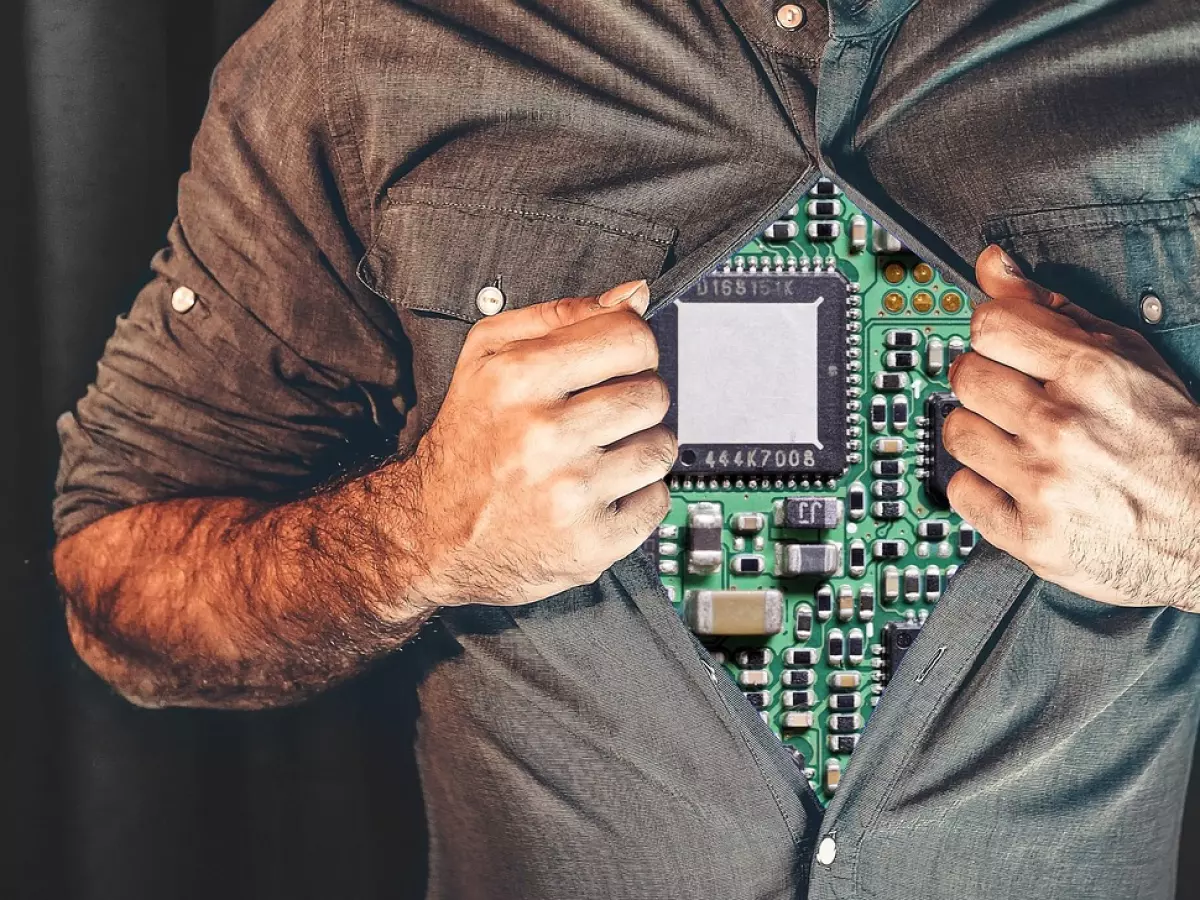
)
(635, 294)
(626, 293)
(1010, 264)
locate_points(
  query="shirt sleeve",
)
(253, 364)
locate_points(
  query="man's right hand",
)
(545, 463)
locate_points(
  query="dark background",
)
(102, 800)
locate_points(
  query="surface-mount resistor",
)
(844, 702)
(824, 598)
(798, 678)
(804, 623)
(856, 646)
(823, 231)
(800, 656)
(781, 232)
(879, 407)
(933, 530)
(856, 501)
(835, 647)
(824, 208)
(912, 584)
(955, 348)
(889, 548)
(900, 359)
(933, 584)
(901, 339)
(866, 603)
(966, 539)
(799, 699)
(858, 558)
(889, 489)
(899, 412)
(889, 468)
(891, 381)
(889, 510)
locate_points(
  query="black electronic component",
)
(823, 231)
(845, 722)
(824, 188)
(780, 232)
(933, 584)
(824, 598)
(808, 512)
(754, 657)
(901, 339)
(940, 465)
(855, 646)
(798, 323)
(844, 702)
(835, 647)
(879, 413)
(843, 743)
(758, 699)
(898, 637)
(900, 359)
(891, 381)
(798, 678)
(889, 510)
(804, 623)
(955, 348)
(800, 656)
(801, 699)
(856, 498)
(935, 355)
(966, 539)
(912, 584)
(889, 490)
(747, 564)
(866, 603)
(933, 530)
(824, 209)
(899, 412)
(858, 558)
(889, 468)
(889, 548)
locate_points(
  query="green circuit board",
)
(807, 559)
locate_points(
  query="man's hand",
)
(1082, 447)
(545, 464)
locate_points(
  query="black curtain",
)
(101, 800)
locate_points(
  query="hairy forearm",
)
(227, 602)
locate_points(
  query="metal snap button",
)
(789, 16)
(827, 852)
(489, 300)
(1152, 308)
(183, 299)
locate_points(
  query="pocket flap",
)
(436, 247)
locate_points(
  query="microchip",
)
(898, 637)
(755, 364)
(941, 465)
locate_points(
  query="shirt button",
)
(827, 851)
(490, 300)
(1152, 309)
(183, 299)
(789, 16)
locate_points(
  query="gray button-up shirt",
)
(366, 167)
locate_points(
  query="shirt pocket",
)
(1108, 257)
(436, 247)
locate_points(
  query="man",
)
(382, 196)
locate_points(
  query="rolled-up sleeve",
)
(253, 363)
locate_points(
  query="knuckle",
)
(635, 332)
(987, 321)
(964, 377)
(1089, 367)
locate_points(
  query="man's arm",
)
(543, 467)
(1081, 447)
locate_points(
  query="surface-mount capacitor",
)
(891, 584)
(858, 234)
(796, 721)
(955, 347)
(888, 446)
(883, 241)
(833, 776)
(747, 523)
(754, 678)
(844, 681)
(935, 356)
(734, 612)
(845, 603)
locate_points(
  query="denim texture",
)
(365, 166)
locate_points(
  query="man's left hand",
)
(1081, 447)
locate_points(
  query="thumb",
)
(539, 319)
(1001, 278)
